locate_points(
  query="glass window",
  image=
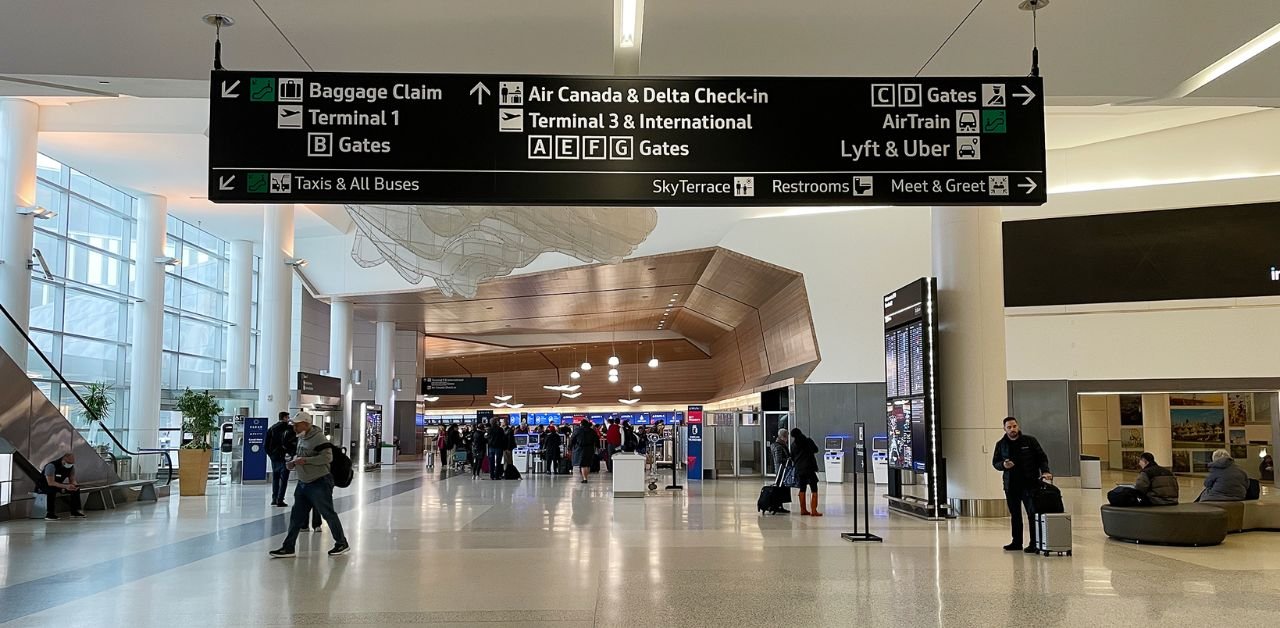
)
(199, 265)
(197, 372)
(49, 169)
(51, 248)
(96, 190)
(201, 300)
(170, 332)
(92, 267)
(55, 200)
(90, 315)
(199, 338)
(85, 360)
(96, 227)
(35, 366)
(171, 289)
(44, 305)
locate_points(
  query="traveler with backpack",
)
(630, 442)
(316, 479)
(281, 443)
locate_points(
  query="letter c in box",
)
(595, 147)
(622, 147)
(883, 95)
(568, 147)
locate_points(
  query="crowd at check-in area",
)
(488, 447)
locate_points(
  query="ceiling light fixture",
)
(38, 212)
(1233, 60)
(630, 402)
(653, 360)
(502, 397)
(431, 399)
(575, 375)
(630, 16)
(613, 379)
(515, 406)
(613, 360)
(613, 372)
(498, 405)
(637, 389)
(572, 395)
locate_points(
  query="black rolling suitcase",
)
(773, 496)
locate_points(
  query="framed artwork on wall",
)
(1195, 399)
(1131, 410)
(1130, 460)
(1182, 461)
(1197, 428)
(1239, 408)
(1131, 438)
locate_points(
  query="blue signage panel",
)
(254, 468)
(694, 465)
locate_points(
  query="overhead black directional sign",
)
(535, 140)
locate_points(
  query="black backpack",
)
(341, 468)
(629, 440)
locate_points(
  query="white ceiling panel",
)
(546, 36)
(135, 38)
(1258, 77)
(1106, 48)
(800, 37)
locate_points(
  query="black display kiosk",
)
(911, 398)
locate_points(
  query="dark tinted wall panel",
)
(1196, 253)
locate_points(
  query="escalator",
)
(35, 432)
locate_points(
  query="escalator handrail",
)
(93, 415)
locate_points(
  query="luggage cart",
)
(460, 460)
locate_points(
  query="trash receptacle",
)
(1090, 472)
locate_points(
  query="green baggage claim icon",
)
(993, 121)
(262, 89)
(257, 182)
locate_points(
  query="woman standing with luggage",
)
(804, 455)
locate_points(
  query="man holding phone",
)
(1024, 464)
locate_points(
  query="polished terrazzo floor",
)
(431, 550)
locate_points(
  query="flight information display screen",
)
(910, 325)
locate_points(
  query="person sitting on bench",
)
(60, 479)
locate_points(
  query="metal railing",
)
(168, 460)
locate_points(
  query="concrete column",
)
(968, 262)
(19, 124)
(148, 330)
(340, 360)
(384, 393)
(240, 313)
(275, 306)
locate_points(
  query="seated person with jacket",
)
(1155, 484)
(1227, 482)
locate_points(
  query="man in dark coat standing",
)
(1024, 464)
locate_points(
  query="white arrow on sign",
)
(228, 91)
(1026, 95)
(225, 183)
(479, 91)
(1030, 185)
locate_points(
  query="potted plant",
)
(97, 403)
(199, 418)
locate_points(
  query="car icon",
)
(968, 121)
(967, 150)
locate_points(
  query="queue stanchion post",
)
(861, 452)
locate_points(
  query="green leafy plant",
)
(97, 403)
(199, 413)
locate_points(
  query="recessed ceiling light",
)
(1233, 60)
(104, 82)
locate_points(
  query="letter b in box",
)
(320, 145)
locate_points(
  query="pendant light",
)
(586, 360)
(574, 374)
(653, 360)
(613, 344)
(637, 388)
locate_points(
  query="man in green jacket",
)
(315, 490)
(1157, 484)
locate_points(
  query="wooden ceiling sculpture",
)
(719, 322)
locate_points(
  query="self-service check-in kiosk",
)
(833, 458)
(880, 458)
(525, 454)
